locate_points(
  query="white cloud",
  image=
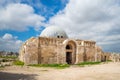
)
(87, 16)
(9, 42)
(19, 17)
(7, 36)
(90, 19)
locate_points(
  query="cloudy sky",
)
(97, 20)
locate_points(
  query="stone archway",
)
(70, 52)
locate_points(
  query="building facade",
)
(54, 47)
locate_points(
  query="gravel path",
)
(109, 71)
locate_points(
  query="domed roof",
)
(53, 32)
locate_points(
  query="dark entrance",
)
(105, 58)
(70, 52)
(69, 57)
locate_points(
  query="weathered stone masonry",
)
(60, 50)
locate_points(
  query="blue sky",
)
(22, 19)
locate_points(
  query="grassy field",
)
(59, 66)
(88, 63)
(19, 63)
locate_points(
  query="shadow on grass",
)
(15, 76)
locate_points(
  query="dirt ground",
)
(108, 71)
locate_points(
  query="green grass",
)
(88, 63)
(19, 63)
(58, 66)
(109, 61)
(1, 67)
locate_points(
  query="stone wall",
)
(29, 51)
(86, 51)
(43, 50)
(115, 57)
(98, 53)
(50, 50)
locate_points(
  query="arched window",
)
(58, 36)
(68, 47)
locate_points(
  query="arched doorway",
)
(71, 52)
(105, 58)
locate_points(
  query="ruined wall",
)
(29, 51)
(103, 56)
(107, 56)
(80, 57)
(89, 51)
(85, 51)
(50, 50)
(98, 53)
(115, 57)
(43, 50)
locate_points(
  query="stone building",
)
(115, 57)
(54, 47)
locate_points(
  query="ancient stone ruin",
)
(54, 47)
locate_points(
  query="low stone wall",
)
(2, 64)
